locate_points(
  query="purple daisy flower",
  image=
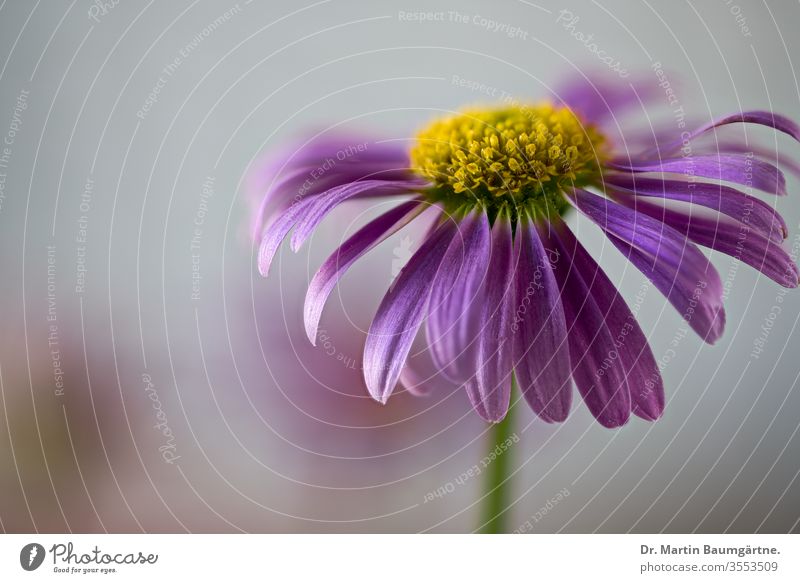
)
(505, 290)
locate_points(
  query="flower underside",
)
(523, 156)
(502, 296)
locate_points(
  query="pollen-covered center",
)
(517, 151)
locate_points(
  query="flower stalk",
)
(496, 500)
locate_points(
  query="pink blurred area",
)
(235, 422)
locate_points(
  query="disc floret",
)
(513, 154)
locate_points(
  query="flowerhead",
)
(501, 285)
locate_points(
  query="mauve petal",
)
(329, 156)
(539, 331)
(339, 262)
(764, 118)
(414, 382)
(490, 388)
(453, 322)
(308, 212)
(276, 232)
(324, 203)
(734, 239)
(724, 199)
(596, 97)
(769, 153)
(726, 167)
(420, 376)
(286, 190)
(606, 395)
(677, 268)
(630, 344)
(400, 315)
(307, 168)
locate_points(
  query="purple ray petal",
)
(734, 239)
(605, 393)
(420, 376)
(324, 203)
(726, 167)
(308, 168)
(339, 262)
(630, 346)
(453, 313)
(327, 157)
(677, 268)
(764, 118)
(598, 97)
(490, 388)
(276, 232)
(653, 144)
(307, 213)
(539, 331)
(400, 315)
(414, 382)
(299, 184)
(724, 199)
(769, 153)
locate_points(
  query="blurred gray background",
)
(133, 402)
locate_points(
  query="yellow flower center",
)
(513, 153)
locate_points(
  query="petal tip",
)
(377, 397)
(560, 417)
(792, 279)
(611, 422)
(496, 416)
(311, 325)
(717, 329)
(649, 415)
(419, 393)
(265, 257)
(295, 242)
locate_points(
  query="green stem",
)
(498, 484)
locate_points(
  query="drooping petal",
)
(490, 388)
(309, 167)
(605, 393)
(677, 268)
(724, 199)
(307, 213)
(326, 202)
(453, 314)
(630, 348)
(734, 239)
(339, 262)
(415, 382)
(420, 376)
(400, 315)
(540, 348)
(769, 153)
(726, 167)
(311, 164)
(276, 232)
(764, 118)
